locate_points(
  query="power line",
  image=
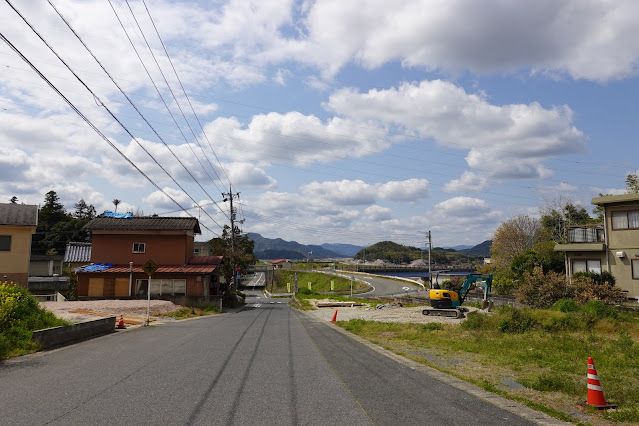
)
(105, 107)
(183, 90)
(77, 111)
(134, 106)
(170, 90)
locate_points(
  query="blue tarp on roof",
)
(118, 215)
(96, 267)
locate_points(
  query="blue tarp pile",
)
(96, 267)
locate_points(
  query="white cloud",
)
(378, 213)
(509, 141)
(158, 200)
(560, 187)
(358, 192)
(467, 182)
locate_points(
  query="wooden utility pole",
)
(230, 196)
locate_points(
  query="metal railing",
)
(589, 234)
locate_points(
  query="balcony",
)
(583, 238)
(585, 234)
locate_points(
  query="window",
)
(627, 219)
(635, 269)
(139, 247)
(586, 266)
(5, 242)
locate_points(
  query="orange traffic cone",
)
(334, 316)
(121, 323)
(595, 393)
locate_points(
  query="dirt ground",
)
(388, 313)
(130, 308)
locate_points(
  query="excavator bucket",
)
(488, 305)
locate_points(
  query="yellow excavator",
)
(447, 303)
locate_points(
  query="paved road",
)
(266, 364)
(387, 287)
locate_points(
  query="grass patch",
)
(192, 312)
(319, 282)
(20, 316)
(544, 350)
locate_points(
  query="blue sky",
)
(350, 122)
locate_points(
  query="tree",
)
(84, 210)
(541, 254)
(632, 183)
(241, 256)
(512, 238)
(560, 213)
(14, 200)
(115, 203)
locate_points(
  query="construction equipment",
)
(447, 303)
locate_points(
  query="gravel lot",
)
(387, 314)
(134, 308)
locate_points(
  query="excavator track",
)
(449, 313)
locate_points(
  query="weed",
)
(432, 326)
(516, 321)
(566, 305)
(554, 382)
(599, 309)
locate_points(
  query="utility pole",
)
(230, 196)
(430, 246)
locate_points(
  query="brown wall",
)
(193, 286)
(19, 278)
(162, 249)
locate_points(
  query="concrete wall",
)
(58, 336)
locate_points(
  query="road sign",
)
(150, 267)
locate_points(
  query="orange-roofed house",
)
(282, 264)
(120, 247)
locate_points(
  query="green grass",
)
(544, 350)
(192, 312)
(319, 282)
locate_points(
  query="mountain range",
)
(277, 248)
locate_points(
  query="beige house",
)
(17, 224)
(612, 246)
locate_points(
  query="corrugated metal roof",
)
(144, 224)
(18, 214)
(77, 252)
(164, 269)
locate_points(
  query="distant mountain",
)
(459, 248)
(482, 249)
(277, 248)
(347, 250)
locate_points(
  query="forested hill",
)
(398, 253)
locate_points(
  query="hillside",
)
(347, 250)
(277, 248)
(482, 249)
(397, 253)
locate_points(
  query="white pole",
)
(351, 286)
(130, 277)
(148, 304)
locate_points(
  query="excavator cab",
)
(443, 299)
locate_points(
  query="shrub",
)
(503, 285)
(474, 321)
(540, 290)
(516, 321)
(599, 309)
(566, 305)
(587, 288)
(20, 315)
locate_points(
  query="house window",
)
(139, 247)
(196, 251)
(586, 266)
(635, 269)
(5, 242)
(627, 219)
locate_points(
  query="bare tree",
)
(512, 238)
(115, 203)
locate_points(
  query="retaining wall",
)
(64, 335)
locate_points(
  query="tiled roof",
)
(18, 214)
(279, 261)
(144, 224)
(164, 269)
(205, 260)
(77, 252)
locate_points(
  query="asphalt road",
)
(266, 364)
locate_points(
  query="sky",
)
(335, 121)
